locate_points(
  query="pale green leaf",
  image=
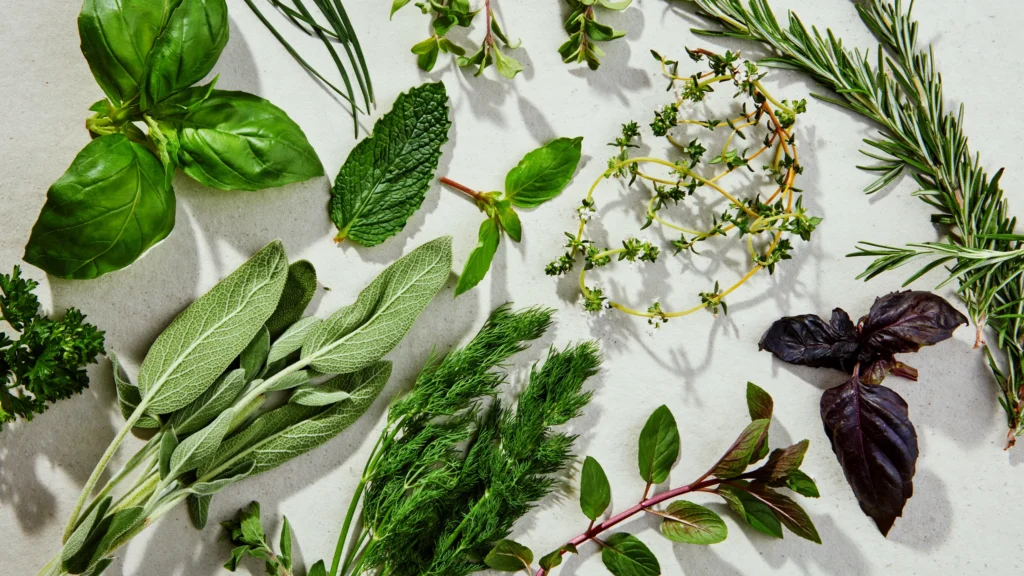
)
(197, 450)
(254, 356)
(211, 487)
(128, 396)
(479, 261)
(691, 523)
(209, 404)
(292, 339)
(289, 381)
(315, 396)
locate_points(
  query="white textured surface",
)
(965, 517)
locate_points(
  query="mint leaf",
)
(542, 174)
(386, 176)
(479, 261)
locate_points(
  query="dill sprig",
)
(452, 472)
(901, 90)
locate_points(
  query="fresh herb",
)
(116, 200)
(207, 376)
(386, 176)
(247, 536)
(867, 423)
(47, 361)
(584, 31)
(753, 495)
(451, 474)
(539, 177)
(447, 14)
(766, 223)
(337, 30)
(902, 92)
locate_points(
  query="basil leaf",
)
(595, 492)
(659, 446)
(298, 292)
(875, 442)
(188, 46)
(808, 340)
(904, 322)
(362, 333)
(625, 555)
(110, 206)
(787, 511)
(783, 462)
(542, 174)
(754, 512)
(237, 141)
(509, 556)
(387, 174)
(691, 523)
(479, 261)
(510, 220)
(802, 484)
(117, 36)
(208, 335)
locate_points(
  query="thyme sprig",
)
(901, 90)
(774, 219)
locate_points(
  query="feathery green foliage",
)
(452, 473)
(901, 91)
(47, 362)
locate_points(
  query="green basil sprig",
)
(115, 201)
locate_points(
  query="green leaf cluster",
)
(205, 381)
(456, 467)
(584, 31)
(115, 201)
(386, 176)
(47, 361)
(249, 540)
(538, 178)
(447, 14)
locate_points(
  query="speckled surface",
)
(965, 517)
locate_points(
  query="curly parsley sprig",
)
(766, 223)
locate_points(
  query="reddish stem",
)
(595, 529)
(462, 188)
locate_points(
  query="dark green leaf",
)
(754, 512)
(693, 524)
(788, 512)
(199, 509)
(743, 450)
(385, 178)
(286, 544)
(168, 443)
(252, 528)
(543, 173)
(595, 492)
(625, 555)
(509, 556)
(759, 403)
(188, 46)
(479, 261)
(119, 524)
(79, 548)
(553, 559)
(659, 446)
(99, 567)
(600, 32)
(110, 206)
(299, 289)
(318, 569)
(128, 396)
(254, 356)
(802, 484)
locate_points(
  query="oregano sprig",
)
(763, 126)
(585, 30)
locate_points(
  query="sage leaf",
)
(208, 335)
(298, 292)
(117, 36)
(198, 450)
(211, 487)
(292, 339)
(362, 333)
(190, 42)
(119, 524)
(293, 430)
(99, 567)
(386, 176)
(128, 396)
(543, 173)
(290, 381)
(659, 446)
(77, 551)
(168, 444)
(691, 523)
(314, 396)
(625, 555)
(286, 544)
(198, 509)
(595, 491)
(509, 556)
(254, 356)
(110, 206)
(746, 447)
(217, 398)
(238, 141)
(480, 258)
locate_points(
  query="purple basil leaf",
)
(809, 341)
(905, 321)
(879, 369)
(875, 443)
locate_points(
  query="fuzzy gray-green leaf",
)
(254, 356)
(290, 381)
(298, 292)
(215, 400)
(204, 339)
(316, 396)
(168, 444)
(198, 450)
(199, 509)
(362, 333)
(128, 396)
(211, 487)
(292, 339)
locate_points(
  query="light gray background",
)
(966, 514)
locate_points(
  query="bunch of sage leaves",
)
(116, 201)
(205, 379)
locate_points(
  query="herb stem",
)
(462, 188)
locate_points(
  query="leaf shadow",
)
(618, 54)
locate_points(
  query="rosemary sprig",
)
(337, 31)
(901, 90)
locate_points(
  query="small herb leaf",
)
(543, 173)
(759, 403)
(691, 523)
(625, 555)
(659, 446)
(509, 556)
(743, 450)
(479, 261)
(595, 491)
(292, 339)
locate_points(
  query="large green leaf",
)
(79, 548)
(387, 175)
(208, 335)
(362, 333)
(111, 205)
(298, 293)
(543, 173)
(479, 261)
(595, 491)
(691, 523)
(117, 36)
(217, 398)
(188, 46)
(625, 555)
(238, 141)
(509, 556)
(293, 430)
(659, 446)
